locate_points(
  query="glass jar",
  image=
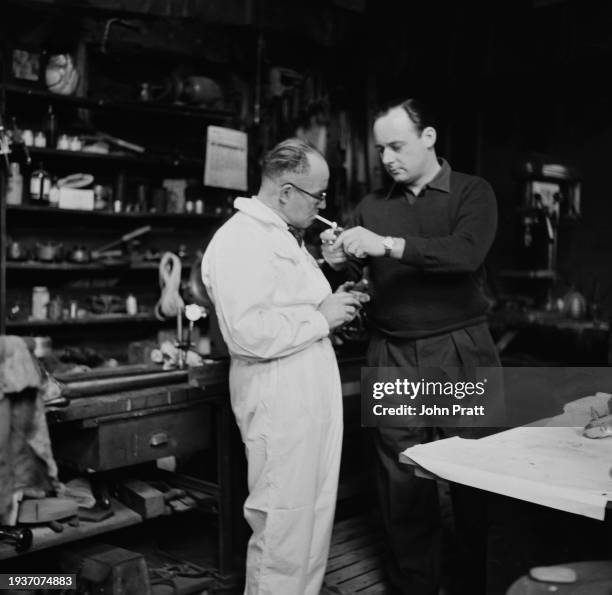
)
(40, 302)
(40, 140)
(55, 309)
(63, 142)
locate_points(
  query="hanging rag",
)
(26, 458)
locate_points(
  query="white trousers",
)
(289, 412)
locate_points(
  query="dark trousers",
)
(409, 505)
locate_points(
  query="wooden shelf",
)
(55, 212)
(68, 266)
(535, 274)
(145, 109)
(88, 320)
(543, 318)
(44, 537)
(129, 158)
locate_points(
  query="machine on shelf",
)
(549, 205)
(550, 197)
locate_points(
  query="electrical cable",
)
(170, 302)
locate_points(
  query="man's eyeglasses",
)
(318, 197)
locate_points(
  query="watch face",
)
(388, 243)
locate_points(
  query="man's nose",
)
(387, 156)
(321, 204)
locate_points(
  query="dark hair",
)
(290, 155)
(420, 114)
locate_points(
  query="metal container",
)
(42, 346)
(16, 251)
(79, 254)
(48, 251)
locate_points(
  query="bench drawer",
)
(132, 439)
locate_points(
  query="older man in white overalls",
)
(275, 311)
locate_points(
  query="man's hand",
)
(339, 308)
(349, 286)
(337, 258)
(360, 242)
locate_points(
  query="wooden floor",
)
(355, 558)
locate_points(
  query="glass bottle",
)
(131, 305)
(40, 140)
(40, 302)
(40, 186)
(50, 127)
(14, 189)
(54, 194)
(15, 132)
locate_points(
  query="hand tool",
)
(124, 238)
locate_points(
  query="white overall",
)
(285, 393)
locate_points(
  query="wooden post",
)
(373, 161)
(3, 245)
(3, 181)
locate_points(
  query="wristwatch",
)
(388, 245)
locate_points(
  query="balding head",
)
(294, 180)
(289, 156)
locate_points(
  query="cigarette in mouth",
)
(332, 224)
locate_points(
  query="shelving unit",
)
(173, 136)
(44, 537)
(63, 273)
(166, 157)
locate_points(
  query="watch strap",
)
(388, 245)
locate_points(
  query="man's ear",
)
(283, 196)
(429, 136)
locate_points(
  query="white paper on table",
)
(552, 466)
(226, 158)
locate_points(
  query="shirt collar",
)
(441, 181)
(259, 210)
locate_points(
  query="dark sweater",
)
(437, 286)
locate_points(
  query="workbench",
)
(98, 434)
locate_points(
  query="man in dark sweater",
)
(424, 242)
